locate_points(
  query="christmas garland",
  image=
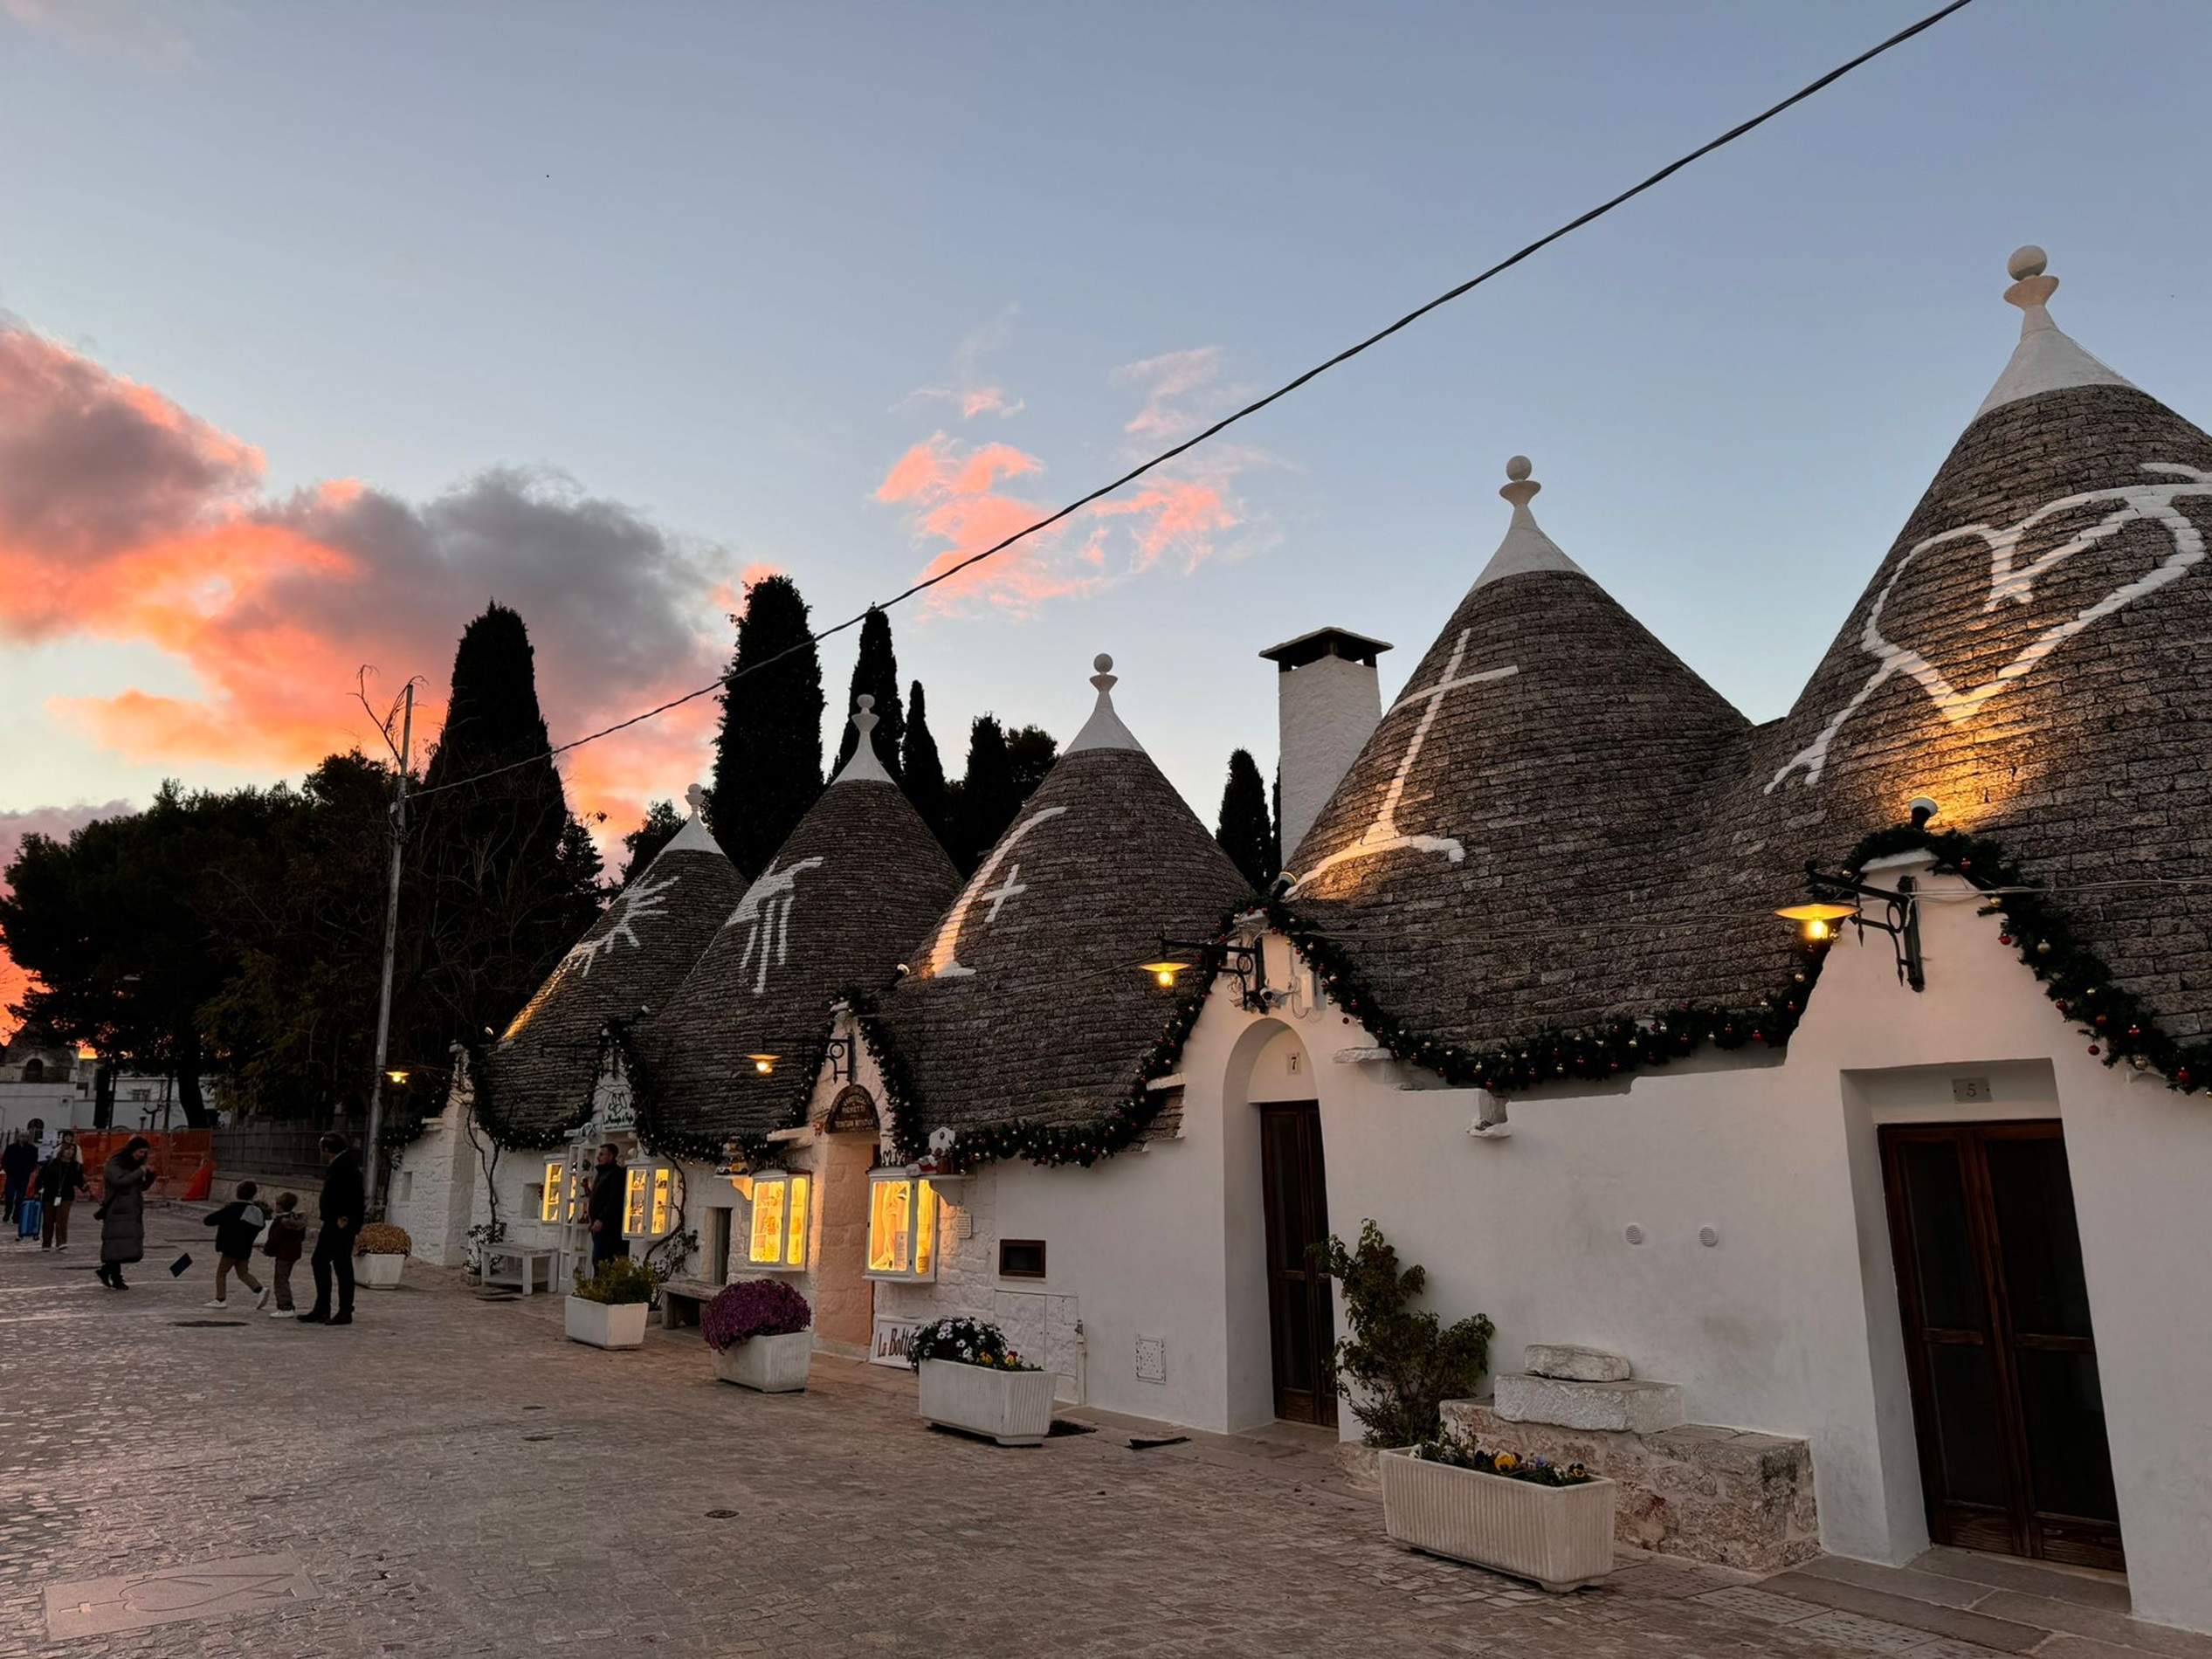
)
(2077, 980)
(1049, 1145)
(1608, 1048)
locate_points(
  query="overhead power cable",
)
(1252, 408)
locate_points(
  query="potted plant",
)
(758, 1332)
(1522, 1515)
(383, 1249)
(608, 1309)
(971, 1380)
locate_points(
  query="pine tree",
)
(876, 672)
(661, 822)
(922, 767)
(507, 879)
(1032, 750)
(767, 758)
(989, 794)
(1246, 833)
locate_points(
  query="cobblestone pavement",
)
(458, 1479)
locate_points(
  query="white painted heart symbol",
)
(2129, 503)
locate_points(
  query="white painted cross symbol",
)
(1012, 887)
(1383, 834)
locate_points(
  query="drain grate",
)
(721, 1514)
(207, 1325)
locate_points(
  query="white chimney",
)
(1328, 702)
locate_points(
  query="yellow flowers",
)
(1506, 1463)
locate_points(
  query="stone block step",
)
(1633, 1407)
(1565, 1360)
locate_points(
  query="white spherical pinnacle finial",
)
(1518, 468)
(1518, 488)
(1102, 662)
(2028, 261)
(697, 796)
(867, 701)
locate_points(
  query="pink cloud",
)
(1170, 381)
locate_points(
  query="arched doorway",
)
(1271, 1076)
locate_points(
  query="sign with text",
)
(891, 1336)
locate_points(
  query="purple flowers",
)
(753, 1308)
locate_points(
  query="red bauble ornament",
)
(2094, 1048)
(2004, 938)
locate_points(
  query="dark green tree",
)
(923, 769)
(1247, 832)
(989, 796)
(767, 758)
(507, 878)
(876, 672)
(1032, 752)
(644, 844)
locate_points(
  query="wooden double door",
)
(1301, 1316)
(2006, 1404)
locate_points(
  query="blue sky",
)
(726, 266)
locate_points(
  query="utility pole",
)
(391, 944)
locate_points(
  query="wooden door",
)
(1301, 1318)
(2006, 1403)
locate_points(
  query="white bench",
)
(681, 1300)
(523, 1272)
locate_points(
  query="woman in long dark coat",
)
(122, 1219)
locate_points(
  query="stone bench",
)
(1724, 1495)
(681, 1300)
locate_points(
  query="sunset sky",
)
(319, 326)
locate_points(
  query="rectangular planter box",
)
(1014, 1408)
(606, 1324)
(773, 1365)
(380, 1270)
(1559, 1536)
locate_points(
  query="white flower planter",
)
(773, 1365)
(1559, 1536)
(1014, 1408)
(380, 1271)
(606, 1324)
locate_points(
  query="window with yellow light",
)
(664, 1198)
(634, 1186)
(778, 1237)
(556, 1183)
(902, 1225)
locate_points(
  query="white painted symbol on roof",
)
(1012, 887)
(944, 951)
(765, 912)
(638, 900)
(2134, 503)
(1383, 834)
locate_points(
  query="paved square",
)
(451, 1477)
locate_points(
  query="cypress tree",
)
(923, 768)
(1245, 832)
(876, 671)
(989, 794)
(506, 878)
(658, 827)
(1032, 750)
(767, 758)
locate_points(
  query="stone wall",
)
(1725, 1496)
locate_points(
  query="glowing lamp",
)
(1818, 919)
(397, 1074)
(763, 1063)
(1164, 970)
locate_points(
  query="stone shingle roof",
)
(543, 1066)
(1026, 1003)
(847, 898)
(2035, 652)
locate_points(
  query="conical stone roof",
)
(1026, 1003)
(541, 1071)
(845, 899)
(2035, 654)
(1536, 776)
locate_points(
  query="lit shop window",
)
(902, 1225)
(664, 1199)
(556, 1178)
(779, 1221)
(633, 1202)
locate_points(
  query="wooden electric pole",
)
(374, 1153)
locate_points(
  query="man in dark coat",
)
(17, 1164)
(344, 1199)
(604, 1209)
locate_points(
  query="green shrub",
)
(619, 1280)
(1405, 1363)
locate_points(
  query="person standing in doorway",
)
(59, 1184)
(17, 1164)
(123, 1209)
(344, 1199)
(604, 1208)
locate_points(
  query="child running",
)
(287, 1237)
(236, 1225)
